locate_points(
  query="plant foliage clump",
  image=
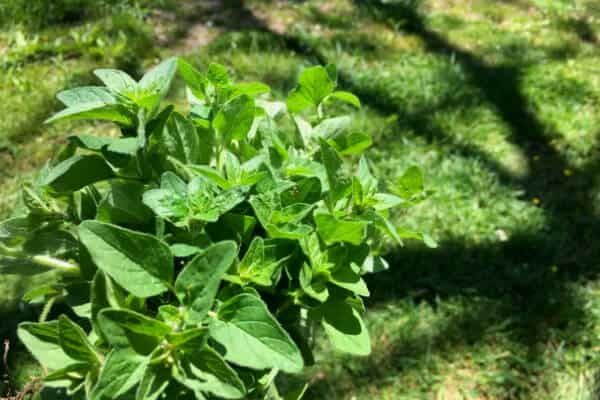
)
(199, 251)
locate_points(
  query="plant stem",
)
(8, 251)
(272, 392)
(40, 259)
(218, 157)
(55, 263)
(46, 309)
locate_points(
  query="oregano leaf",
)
(139, 262)
(253, 338)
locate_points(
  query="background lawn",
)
(497, 101)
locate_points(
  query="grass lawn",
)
(497, 102)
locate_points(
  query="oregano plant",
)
(201, 249)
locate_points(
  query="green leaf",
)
(425, 238)
(384, 201)
(211, 174)
(95, 110)
(345, 329)
(154, 382)
(170, 314)
(234, 120)
(293, 213)
(170, 201)
(297, 166)
(121, 371)
(303, 131)
(180, 140)
(140, 263)
(252, 336)
(170, 181)
(260, 263)
(429, 241)
(333, 230)
(311, 247)
(126, 328)
(314, 84)
(123, 204)
(166, 204)
(91, 142)
(367, 181)
(155, 84)
(332, 127)
(346, 254)
(39, 201)
(233, 168)
(98, 299)
(40, 292)
(383, 224)
(134, 322)
(251, 89)
(288, 231)
(201, 200)
(51, 241)
(218, 75)
(85, 203)
(316, 290)
(188, 338)
(42, 341)
(127, 146)
(374, 264)
(198, 283)
(16, 229)
(106, 293)
(410, 183)
(75, 371)
(332, 71)
(264, 208)
(348, 277)
(346, 97)
(117, 81)
(86, 94)
(74, 342)
(352, 144)
(306, 190)
(191, 76)
(207, 202)
(339, 184)
(206, 371)
(183, 250)
(299, 101)
(78, 171)
(232, 226)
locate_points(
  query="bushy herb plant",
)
(199, 251)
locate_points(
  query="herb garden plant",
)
(200, 250)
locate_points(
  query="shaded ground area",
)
(498, 103)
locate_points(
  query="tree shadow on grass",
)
(566, 201)
(478, 327)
